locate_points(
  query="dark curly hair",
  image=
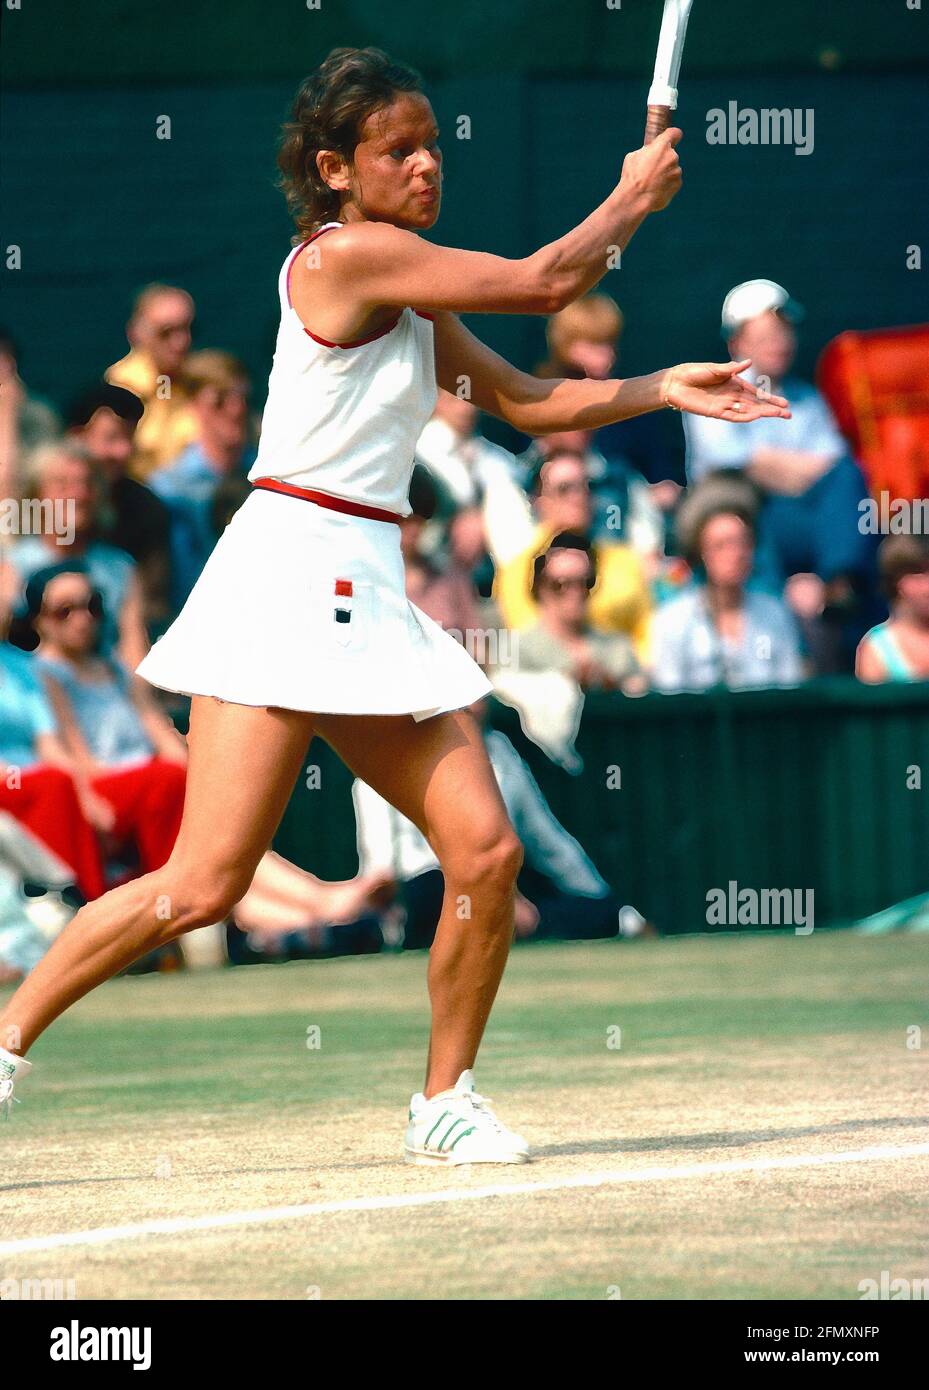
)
(329, 112)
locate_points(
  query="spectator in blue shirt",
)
(808, 530)
(720, 631)
(127, 749)
(40, 784)
(218, 386)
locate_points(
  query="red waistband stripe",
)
(326, 499)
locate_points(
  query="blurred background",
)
(555, 95)
(720, 672)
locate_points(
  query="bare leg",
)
(242, 769)
(438, 774)
(282, 896)
(284, 882)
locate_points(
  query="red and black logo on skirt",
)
(342, 612)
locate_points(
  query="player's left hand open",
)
(716, 389)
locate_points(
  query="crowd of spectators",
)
(642, 555)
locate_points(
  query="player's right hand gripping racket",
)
(662, 96)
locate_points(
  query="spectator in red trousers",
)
(40, 784)
(128, 749)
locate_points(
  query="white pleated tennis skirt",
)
(305, 608)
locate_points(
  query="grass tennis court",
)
(193, 1096)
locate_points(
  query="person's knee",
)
(511, 856)
(188, 900)
(489, 861)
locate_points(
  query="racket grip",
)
(658, 120)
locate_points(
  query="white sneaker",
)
(459, 1126)
(12, 1068)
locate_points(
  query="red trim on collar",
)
(353, 342)
(356, 342)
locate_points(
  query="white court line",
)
(177, 1225)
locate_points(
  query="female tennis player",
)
(299, 623)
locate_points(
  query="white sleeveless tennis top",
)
(344, 418)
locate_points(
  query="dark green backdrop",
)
(555, 94)
(128, 40)
(823, 787)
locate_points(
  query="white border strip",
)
(261, 1216)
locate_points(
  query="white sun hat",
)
(754, 297)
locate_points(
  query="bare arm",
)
(466, 366)
(70, 737)
(68, 750)
(53, 751)
(133, 637)
(167, 740)
(651, 177)
(868, 665)
(374, 263)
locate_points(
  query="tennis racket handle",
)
(658, 120)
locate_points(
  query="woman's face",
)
(396, 175)
(71, 480)
(726, 550)
(223, 413)
(770, 341)
(564, 494)
(914, 590)
(65, 617)
(564, 586)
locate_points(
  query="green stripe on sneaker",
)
(459, 1121)
(463, 1135)
(435, 1127)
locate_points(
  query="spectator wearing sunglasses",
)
(41, 786)
(129, 752)
(561, 498)
(562, 638)
(159, 332)
(72, 505)
(218, 387)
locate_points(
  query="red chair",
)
(877, 384)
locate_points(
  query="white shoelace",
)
(485, 1105)
(482, 1104)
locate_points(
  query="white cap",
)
(631, 921)
(754, 297)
